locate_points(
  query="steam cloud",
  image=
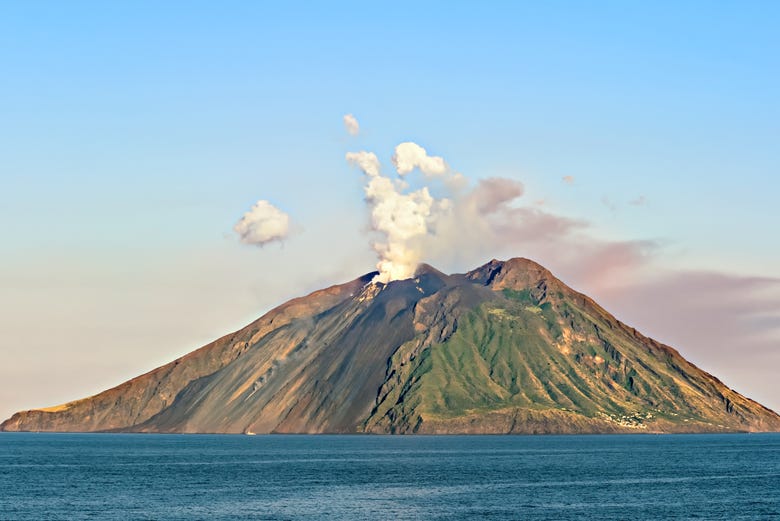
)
(403, 216)
(415, 225)
(262, 224)
(409, 156)
(351, 124)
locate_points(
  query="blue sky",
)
(135, 134)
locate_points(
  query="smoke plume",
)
(450, 222)
(409, 156)
(403, 216)
(262, 224)
(415, 225)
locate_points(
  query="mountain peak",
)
(516, 273)
(426, 269)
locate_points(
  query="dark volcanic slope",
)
(504, 348)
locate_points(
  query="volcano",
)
(505, 348)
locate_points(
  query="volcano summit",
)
(505, 348)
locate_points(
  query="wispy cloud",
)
(351, 125)
(609, 204)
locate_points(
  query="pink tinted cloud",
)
(729, 325)
(495, 193)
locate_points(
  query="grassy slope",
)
(555, 364)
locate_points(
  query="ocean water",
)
(169, 477)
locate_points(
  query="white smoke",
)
(409, 156)
(351, 124)
(262, 224)
(366, 161)
(403, 216)
(419, 224)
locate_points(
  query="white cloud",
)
(351, 124)
(262, 224)
(366, 161)
(409, 156)
(400, 215)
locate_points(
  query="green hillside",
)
(558, 358)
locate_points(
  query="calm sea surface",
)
(165, 477)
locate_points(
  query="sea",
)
(352, 477)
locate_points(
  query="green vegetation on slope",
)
(544, 354)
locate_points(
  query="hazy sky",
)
(134, 135)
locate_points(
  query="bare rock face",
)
(505, 348)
